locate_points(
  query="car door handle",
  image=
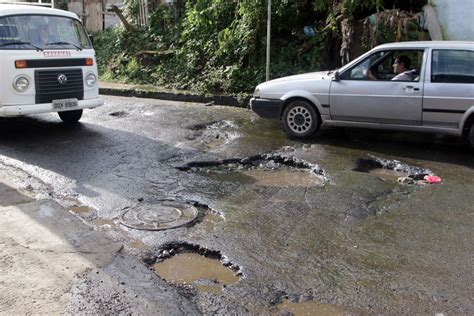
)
(410, 89)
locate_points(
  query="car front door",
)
(357, 98)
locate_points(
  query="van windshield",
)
(42, 32)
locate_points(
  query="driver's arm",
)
(370, 75)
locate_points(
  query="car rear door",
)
(449, 88)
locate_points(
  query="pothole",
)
(393, 170)
(81, 209)
(213, 134)
(118, 114)
(183, 263)
(264, 170)
(159, 215)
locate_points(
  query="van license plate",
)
(64, 104)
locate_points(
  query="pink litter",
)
(432, 179)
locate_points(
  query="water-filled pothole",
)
(81, 209)
(392, 170)
(308, 308)
(210, 220)
(387, 174)
(183, 263)
(159, 215)
(281, 177)
(264, 170)
(213, 134)
(207, 275)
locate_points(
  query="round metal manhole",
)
(159, 216)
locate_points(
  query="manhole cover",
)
(160, 215)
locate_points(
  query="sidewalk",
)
(53, 263)
(153, 92)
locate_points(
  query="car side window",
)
(452, 66)
(360, 71)
(397, 65)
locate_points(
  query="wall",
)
(456, 18)
(93, 16)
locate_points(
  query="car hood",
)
(322, 75)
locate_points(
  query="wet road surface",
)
(291, 219)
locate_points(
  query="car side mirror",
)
(337, 76)
(91, 38)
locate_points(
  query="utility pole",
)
(269, 27)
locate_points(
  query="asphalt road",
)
(293, 220)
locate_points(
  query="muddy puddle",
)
(387, 174)
(392, 170)
(81, 209)
(206, 274)
(308, 308)
(271, 170)
(282, 177)
(103, 222)
(210, 221)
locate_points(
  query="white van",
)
(47, 63)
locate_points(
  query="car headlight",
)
(21, 84)
(91, 79)
(256, 93)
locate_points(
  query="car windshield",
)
(40, 32)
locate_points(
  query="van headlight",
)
(256, 93)
(91, 79)
(21, 84)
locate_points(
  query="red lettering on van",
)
(57, 53)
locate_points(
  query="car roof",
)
(428, 44)
(18, 9)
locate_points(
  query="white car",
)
(433, 93)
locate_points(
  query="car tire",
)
(300, 119)
(70, 117)
(471, 136)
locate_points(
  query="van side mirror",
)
(337, 76)
(91, 39)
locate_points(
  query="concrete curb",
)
(136, 91)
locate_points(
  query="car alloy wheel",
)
(300, 119)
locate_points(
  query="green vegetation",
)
(219, 45)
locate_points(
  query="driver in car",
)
(401, 67)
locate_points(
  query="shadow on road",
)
(420, 146)
(92, 156)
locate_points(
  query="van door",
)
(357, 98)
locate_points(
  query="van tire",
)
(70, 117)
(300, 119)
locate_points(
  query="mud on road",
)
(321, 225)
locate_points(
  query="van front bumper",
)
(17, 110)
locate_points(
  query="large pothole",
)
(263, 169)
(392, 170)
(205, 270)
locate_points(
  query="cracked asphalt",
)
(294, 216)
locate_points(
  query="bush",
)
(220, 45)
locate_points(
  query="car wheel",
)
(70, 116)
(300, 119)
(471, 135)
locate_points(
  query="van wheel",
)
(70, 116)
(300, 119)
